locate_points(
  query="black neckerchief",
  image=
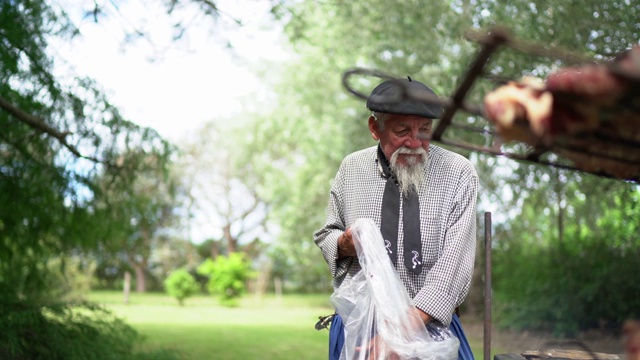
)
(389, 220)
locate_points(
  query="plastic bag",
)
(374, 303)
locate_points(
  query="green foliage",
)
(63, 147)
(57, 332)
(181, 285)
(70, 277)
(65, 138)
(585, 282)
(539, 208)
(173, 254)
(227, 277)
(140, 210)
(548, 221)
(566, 291)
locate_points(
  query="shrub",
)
(227, 277)
(61, 331)
(181, 284)
(567, 290)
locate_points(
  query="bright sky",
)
(175, 87)
(194, 80)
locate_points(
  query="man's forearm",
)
(426, 318)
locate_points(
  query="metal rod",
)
(487, 285)
(362, 72)
(494, 40)
(531, 160)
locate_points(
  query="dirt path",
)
(513, 342)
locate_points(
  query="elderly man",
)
(421, 196)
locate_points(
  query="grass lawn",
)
(266, 328)
(260, 328)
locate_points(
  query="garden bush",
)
(64, 332)
(181, 284)
(227, 277)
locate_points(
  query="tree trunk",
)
(140, 266)
(560, 224)
(263, 280)
(141, 280)
(215, 250)
(231, 241)
(278, 287)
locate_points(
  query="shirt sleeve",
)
(447, 283)
(327, 237)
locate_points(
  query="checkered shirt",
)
(447, 226)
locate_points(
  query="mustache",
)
(408, 151)
(403, 150)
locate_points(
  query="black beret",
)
(404, 96)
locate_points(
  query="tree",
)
(222, 188)
(315, 126)
(54, 153)
(60, 135)
(172, 254)
(145, 210)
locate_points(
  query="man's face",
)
(409, 131)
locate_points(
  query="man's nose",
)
(413, 141)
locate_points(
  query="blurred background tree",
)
(64, 148)
(60, 138)
(538, 211)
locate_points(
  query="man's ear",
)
(373, 127)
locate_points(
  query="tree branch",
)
(40, 126)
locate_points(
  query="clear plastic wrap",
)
(379, 317)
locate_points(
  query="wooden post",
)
(278, 287)
(487, 285)
(127, 286)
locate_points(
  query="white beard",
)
(411, 175)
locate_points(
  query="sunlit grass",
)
(260, 328)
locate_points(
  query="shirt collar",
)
(379, 159)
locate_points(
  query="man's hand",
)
(345, 245)
(373, 348)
